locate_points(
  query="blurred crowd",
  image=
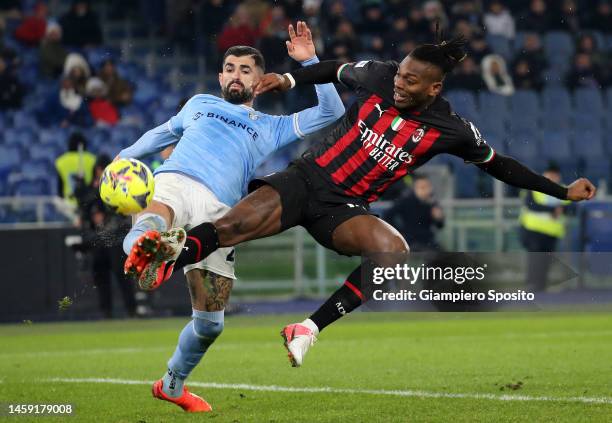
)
(343, 29)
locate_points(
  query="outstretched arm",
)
(510, 171)
(329, 107)
(153, 141)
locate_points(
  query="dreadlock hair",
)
(445, 55)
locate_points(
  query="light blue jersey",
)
(221, 144)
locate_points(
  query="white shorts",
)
(193, 204)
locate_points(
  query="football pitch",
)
(369, 367)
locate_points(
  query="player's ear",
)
(435, 89)
(221, 79)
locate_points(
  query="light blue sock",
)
(146, 222)
(196, 337)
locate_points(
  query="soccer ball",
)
(127, 186)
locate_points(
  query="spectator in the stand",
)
(120, 91)
(64, 108)
(10, 9)
(81, 26)
(568, 18)
(537, 18)
(418, 25)
(478, 48)
(585, 74)
(466, 29)
(11, 90)
(466, 10)
(272, 43)
(466, 77)
(529, 65)
(435, 15)
(396, 35)
(240, 30)
(77, 70)
(102, 232)
(73, 166)
(32, 27)
(372, 21)
(588, 45)
(496, 76)
(417, 216)
(336, 14)
(344, 44)
(52, 52)
(524, 78)
(601, 18)
(499, 21)
(101, 109)
(374, 49)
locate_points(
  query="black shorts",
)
(309, 201)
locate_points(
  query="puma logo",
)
(186, 248)
(380, 110)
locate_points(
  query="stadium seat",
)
(556, 144)
(524, 110)
(494, 114)
(44, 152)
(597, 234)
(588, 101)
(524, 145)
(500, 45)
(24, 120)
(588, 143)
(34, 169)
(10, 156)
(464, 103)
(558, 47)
(556, 108)
(146, 92)
(596, 169)
(21, 137)
(30, 187)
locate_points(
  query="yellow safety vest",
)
(70, 165)
(543, 222)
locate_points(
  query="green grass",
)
(553, 355)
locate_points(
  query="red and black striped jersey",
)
(376, 144)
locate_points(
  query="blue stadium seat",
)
(146, 92)
(588, 101)
(556, 108)
(21, 137)
(525, 110)
(37, 169)
(494, 114)
(524, 145)
(464, 103)
(44, 152)
(596, 169)
(558, 47)
(556, 145)
(30, 187)
(597, 218)
(10, 156)
(24, 120)
(588, 143)
(171, 101)
(497, 142)
(500, 45)
(519, 40)
(466, 181)
(53, 136)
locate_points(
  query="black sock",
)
(346, 299)
(202, 240)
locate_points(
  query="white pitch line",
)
(330, 390)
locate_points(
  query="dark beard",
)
(237, 97)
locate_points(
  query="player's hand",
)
(581, 189)
(273, 82)
(300, 46)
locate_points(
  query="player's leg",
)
(360, 235)
(209, 295)
(258, 215)
(276, 205)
